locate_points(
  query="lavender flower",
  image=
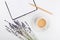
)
(20, 29)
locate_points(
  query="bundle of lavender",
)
(21, 30)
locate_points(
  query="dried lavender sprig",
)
(26, 34)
